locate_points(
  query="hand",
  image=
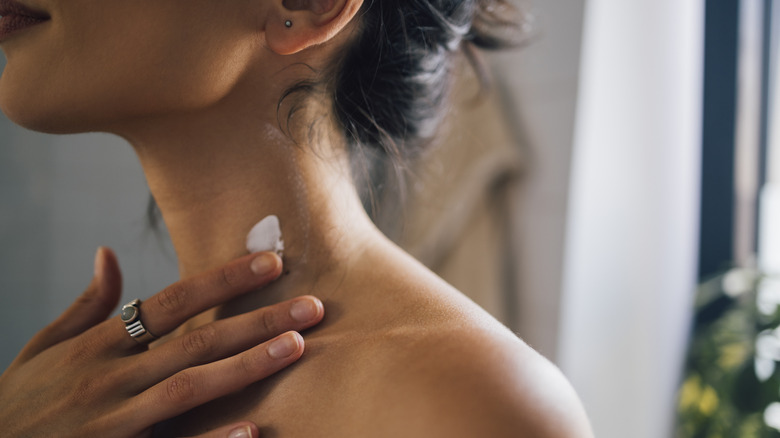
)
(84, 376)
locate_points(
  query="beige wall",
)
(540, 91)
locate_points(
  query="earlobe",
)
(295, 25)
(284, 39)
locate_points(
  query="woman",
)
(243, 109)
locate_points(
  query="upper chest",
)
(316, 396)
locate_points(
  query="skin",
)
(100, 382)
(193, 85)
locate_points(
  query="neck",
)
(214, 175)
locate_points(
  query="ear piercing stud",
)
(288, 23)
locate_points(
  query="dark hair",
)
(390, 87)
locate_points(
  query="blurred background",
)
(619, 185)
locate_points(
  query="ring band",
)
(131, 316)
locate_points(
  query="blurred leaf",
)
(712, 311)
(721, 396)
(751, 395)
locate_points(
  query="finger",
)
(92, 307)
(240, 430)
(224, 338)
(196, 386)
(180, 301)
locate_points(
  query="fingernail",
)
(98, 261)
(304, 310)
(283, 346)
(241, 432)
(264, 263)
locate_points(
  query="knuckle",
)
(231, 276)
(86, 389)
(173, 298)
(269, 321)
(120, 375)
(81, 350)
(82, 390)
(200, 343)
(181, 387)
(74, 355)
(247, 364)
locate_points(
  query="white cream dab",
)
(266, 235)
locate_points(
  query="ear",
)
(312, 22)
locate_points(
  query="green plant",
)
(731, 387)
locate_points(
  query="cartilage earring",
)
(288, 23)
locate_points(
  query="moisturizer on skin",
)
(266, 235)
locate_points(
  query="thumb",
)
(92, 307)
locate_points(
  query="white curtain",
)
(632, 226)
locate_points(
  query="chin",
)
(37, 103)
(45, 114)
(27, 117)
(38, 118)
(33, 109)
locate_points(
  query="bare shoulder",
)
(437, 365)
(472, 379)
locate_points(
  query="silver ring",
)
(131, 316)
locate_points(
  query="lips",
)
(11, 7)
(15, 17)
